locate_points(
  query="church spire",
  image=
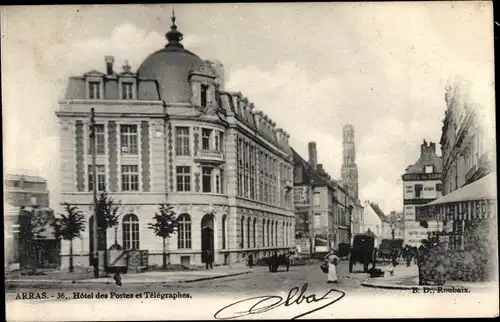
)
(174, 36)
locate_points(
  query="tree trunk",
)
(164, 254)
(71, 267)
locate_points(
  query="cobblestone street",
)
(207, 297)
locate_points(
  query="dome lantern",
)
(174, 36)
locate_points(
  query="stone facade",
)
(224, 167)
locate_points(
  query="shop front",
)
(465, 249)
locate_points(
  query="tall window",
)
(276, 233)
(99, 140)
(206, 135)
(206, 179)
(245, 179)
(221, 141)
(184, 232)
(130, 230)
(439, 187)
(249, 221)
(217, 143)
(263, 232)
(261, 176)
(272, 233)
(252, 172)
(204, 90)
(127, 92)
(418, 190)
(183, 178)
(128, 139)
(181, 140)
(95, 90)
(254, 232)
(268, 233)
(240, 167)
(130, 178)
(242, 232)
(224, 219)
(217, 183)
(101, 178)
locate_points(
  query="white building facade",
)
(372, 222)
(169, 134)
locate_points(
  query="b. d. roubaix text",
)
(118, 295)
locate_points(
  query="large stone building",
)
(422, 184)
(349, 171)
(169, 134)
(28, 192)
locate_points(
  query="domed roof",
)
(170, 66)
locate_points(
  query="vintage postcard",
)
(249, 161)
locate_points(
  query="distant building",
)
(23, 190)
(372, 222)
(422, 184)
(393, 222)
(349, 171)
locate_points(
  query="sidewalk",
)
(137, 278)
(406, 278)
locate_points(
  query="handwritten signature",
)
(261, 304)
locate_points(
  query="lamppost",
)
(94, 191)
(33, 246)
(311, 218)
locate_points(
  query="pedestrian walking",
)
(250, 260)
(332, 259)
(209, 259)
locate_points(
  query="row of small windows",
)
(95, 93)
(129, 139)
(129, 178)
(260, 176)
(211, 179)
(270, 233)
(211, 140)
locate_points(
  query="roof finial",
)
(174, 36)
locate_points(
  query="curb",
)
(45, 283)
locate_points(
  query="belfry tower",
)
(349, 170)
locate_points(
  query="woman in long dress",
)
(332, 260)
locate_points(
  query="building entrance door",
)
(207, 237)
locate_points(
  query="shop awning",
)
(475, 200)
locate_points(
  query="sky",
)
(381, 67)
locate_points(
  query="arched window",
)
(242, 232)
(263, 233)
(184, 231)
(249, 222)
(224, 219)
(276, 233)
(254, 232)
(283, 238)
(271, 242)
(268, 240)
(130, 231)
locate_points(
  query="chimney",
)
(126, 67)
(313, 157)
(423, 147)
(109, 64)
(432, 147)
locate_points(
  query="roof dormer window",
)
(95, 90)
(429, 169)
(127, 91)
(204, 92)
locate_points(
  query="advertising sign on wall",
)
(409, 213)
(301, 195)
